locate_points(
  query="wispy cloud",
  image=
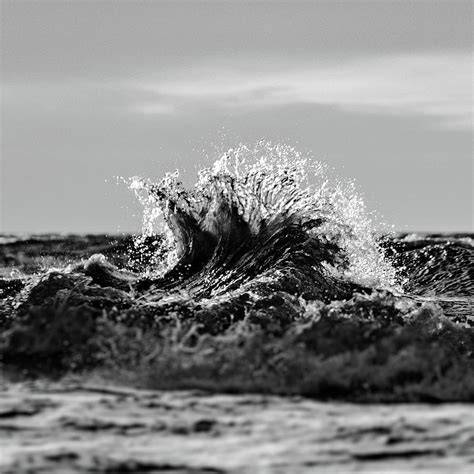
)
(433, 85)
(436, 86)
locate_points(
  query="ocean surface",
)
(266, 277)
(264, 245)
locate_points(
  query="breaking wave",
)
(256, 202)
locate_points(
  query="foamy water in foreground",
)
(73, 428)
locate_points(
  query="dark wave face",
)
(251, 271)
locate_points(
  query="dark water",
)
(252, 280)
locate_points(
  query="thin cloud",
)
(431, 85)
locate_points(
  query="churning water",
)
(263, 255)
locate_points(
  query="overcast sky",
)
(380, 90)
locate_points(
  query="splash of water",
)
(265, 186)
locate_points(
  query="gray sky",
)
(380, 90)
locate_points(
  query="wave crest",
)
(266, 197)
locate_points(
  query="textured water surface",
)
(267, 278)
(70, 428)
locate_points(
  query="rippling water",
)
(266, 275)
